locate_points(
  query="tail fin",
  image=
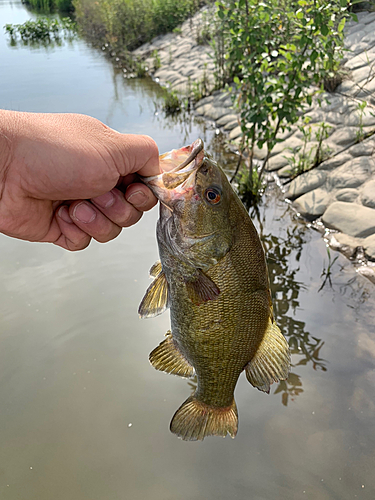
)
(195, 420)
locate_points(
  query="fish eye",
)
(213, 195)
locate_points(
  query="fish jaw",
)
(177, 179)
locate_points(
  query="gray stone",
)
(347, 194)
(180, 86)
(361, 74)
(276, 163)
(236, 132)
(368, 194)
(346, 87)
(369, 18)
(215, 113)
(304, 183)
(344, 136)
(369, 246)
(357, 62)
(347, 245)
(352, 173)
(231, 125)
(221, 98)
(205, 100)
(335, 161)
(350, 218)
(312, 204)
(285, 172)
(365, 148)
(292, 144)
(203, 110)
(227, 119)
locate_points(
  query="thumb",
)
(138, 154)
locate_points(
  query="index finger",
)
(139, 153)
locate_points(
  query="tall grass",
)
(51, 5)
(130, 23)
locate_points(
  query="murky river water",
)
(83, 414)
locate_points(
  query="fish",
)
(213, 277)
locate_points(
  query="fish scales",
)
(214, 278)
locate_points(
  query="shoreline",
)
(340, 191)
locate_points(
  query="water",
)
(83, 414)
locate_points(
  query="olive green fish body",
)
(219, 337)
(213, 276)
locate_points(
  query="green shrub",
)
(275, 52)
(130, 23)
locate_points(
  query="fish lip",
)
(170, 185)
(196, 147)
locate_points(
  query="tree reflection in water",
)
(283, 255)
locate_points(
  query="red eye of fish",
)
(213, 196)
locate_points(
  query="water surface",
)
(83, 414)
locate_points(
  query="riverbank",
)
(339, 194)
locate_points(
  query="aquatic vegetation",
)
(327, 271)
(172, 102)
(43, 29)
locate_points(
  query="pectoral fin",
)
(271, 362)
(168, 358)
(155, 300)
(202, 289)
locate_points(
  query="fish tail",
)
(195, 420)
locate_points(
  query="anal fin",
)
(168, 358)
(155, 300)
(271, 362)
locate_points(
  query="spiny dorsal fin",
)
(155, 300)
(195, 420)
(156, 269)
(271, 362)
(168, 358)
(202, 289)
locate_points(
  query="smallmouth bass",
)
(213, 276)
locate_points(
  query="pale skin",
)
(67, 178)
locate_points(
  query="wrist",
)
(8, 126)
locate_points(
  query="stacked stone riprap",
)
(184, 63)
(341, 190)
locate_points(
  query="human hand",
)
(67, 178)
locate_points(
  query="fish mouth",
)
(178, 172)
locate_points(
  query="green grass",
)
(130, 23)
(51, 5)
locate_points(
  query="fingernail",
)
(138, 198)
(105, 200)
(84, 213)
(64, 214)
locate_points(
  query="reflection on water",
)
(283, 258)
(74, 371)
